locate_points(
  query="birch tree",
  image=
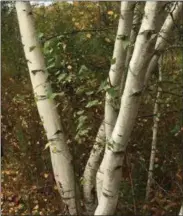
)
(60, 155)
(155, 133)
(122, 101)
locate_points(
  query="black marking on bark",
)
(106, 195)
(137, 93)
(148, 34)
(61, 188)
(118, 167)
(121, 16)
(93, 191)
(120, 135)
(122, 37)
(119, 152)
(68, 198)
(41, 97)
(28, 61)
(54, 139)
(30, 13)
(57, 132)
(36, 71)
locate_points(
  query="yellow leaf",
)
(36, 207)
(69, 67)
(46, 175)
(88, 35)
(110, 12)
(107, 40)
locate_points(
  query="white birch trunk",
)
(135, 29)
(130, 101)
(60, 156)
(117, 68)
(163, 38)
(115, 74)
(155, 134)
(91, 169)
(181, 210)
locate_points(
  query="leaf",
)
(112, 91)
(107, 40)
(126, 44)
(62, 77)
(80, 112)
(46, 175)
(53, 95)
(113, 61)
(89, 93)
(103, 86)
(31, 48)
(110, 12)
(92, 103)
(40, 35)
(88, 35)
(83, 69)
(47, 145)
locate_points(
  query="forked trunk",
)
(128, 111)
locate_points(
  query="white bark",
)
(117, 68)
(155, 134)
(115, 74)
(163, 38)
(130, 101)
(60, 156)
(134, 31)
(181, 210)
(91, 169)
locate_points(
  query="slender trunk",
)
(181, 210)
(155, 134)
(91, 169)
(60, 155)
(117, 67)
(162, 39)
(115, 74)
(130, 101)
(138, 14)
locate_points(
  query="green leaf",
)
(112, 91)
(40, 35)
(53, 95)
(47, 145)
(83, 69)
(89, 93)
(80, 112)
(113, 61)
(176, 129)
(126, 44)
(92, 103)
(62, 77)
(31, 48)
(103, 86)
